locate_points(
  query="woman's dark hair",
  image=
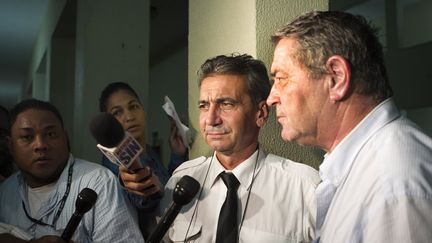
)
(112, 88)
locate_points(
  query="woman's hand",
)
(140, 181)
(175, 140)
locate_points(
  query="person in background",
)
(39, 199)
(331, 90)
(6, 161)
(274, 201)
(145, 187)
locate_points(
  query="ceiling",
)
(20, 21)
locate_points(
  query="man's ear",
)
(262, 113)
(340, 73)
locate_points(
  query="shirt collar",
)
(243, 172)
(337, 164)
(59, 190)
(63, 175)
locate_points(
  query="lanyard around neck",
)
(62, 202)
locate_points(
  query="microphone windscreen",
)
(185, 190)
(107, 131)
(85, 200)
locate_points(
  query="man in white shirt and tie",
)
(270, 199)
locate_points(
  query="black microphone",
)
(106, 130)
(183, 193)
(84, 202)
(116, 144)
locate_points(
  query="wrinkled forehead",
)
(214, 87)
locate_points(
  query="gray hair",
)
(257, 79)
(321, 35)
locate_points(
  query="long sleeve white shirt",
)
(382, 172)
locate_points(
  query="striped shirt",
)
(111, 219)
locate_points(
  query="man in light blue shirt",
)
(40, 199)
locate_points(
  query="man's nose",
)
(40, 143)
(213, 116)
(273, 97)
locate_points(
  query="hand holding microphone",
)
(122, 149)
(140, 181)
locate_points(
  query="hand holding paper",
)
(181, 128)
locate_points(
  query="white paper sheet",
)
(183, 130)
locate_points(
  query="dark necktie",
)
(227, 229)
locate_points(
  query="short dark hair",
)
(33, 104)
(322, 34)
(257, 79)
(112, 88)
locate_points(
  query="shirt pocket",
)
(248, 235)
(179, 230)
